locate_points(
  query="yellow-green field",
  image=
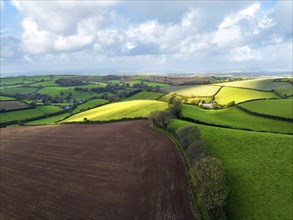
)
(198, 90)
(113, 111)
(229, 94)
(262, 84)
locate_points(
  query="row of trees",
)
(207, 173)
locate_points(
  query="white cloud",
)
(245, 53)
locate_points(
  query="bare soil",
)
(13, 105)
(122, 170)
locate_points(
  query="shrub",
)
(160, 118)
(196, 151)
(187, 135)
(209, 179)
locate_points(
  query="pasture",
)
(6, 98)
(123, 170)
(274, 107)
(236, 118)
(263, 84)
(229, 94)
(20, 115)
(197, 90)
(89, 104)
(48, 120)
(146, 95)
(131, 83)
(49, 109)
(13, 105)
(18, 90)
(259, 169)
(119, 110)
(52, 91)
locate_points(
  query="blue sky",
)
(145, 36)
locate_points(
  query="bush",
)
(209, 179)
(196, 151)
(187, 135)
(160, 118)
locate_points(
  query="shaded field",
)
(131, 83)
(236, 118)
(49, 109)
(123, 170)
(229, 94)
(146, 95)
(49, 120)
(119, 110)
(198, 90)
(20, 115)
(13, 105)
(89, 104)
(6, 98)
(259, 168)
(18, 90)
(263, 84)
(275, 107)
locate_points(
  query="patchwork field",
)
(122, 170)
(229, 94)
(236, 118)
(49, 109)
(275, 107)
(13, 105)
(146, 95)
(127, 109)
(6, 98)
(259, 167)
(20, 115)
(199, 90)
(18, 90)
(131, 83)
(263, 84)
(89, 104)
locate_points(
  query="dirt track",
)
(122, 170)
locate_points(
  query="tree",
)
(196, 151)
(187, 135)
(175, 108)
(160, 118)
(208, 176)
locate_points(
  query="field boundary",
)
(263, 115)
(225, 126)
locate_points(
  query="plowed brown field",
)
(122, 170)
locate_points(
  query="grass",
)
(18, 90)
(119, 110)
(6, 98)
(275, 107)
(198, 90)
(89, 104)
(20, 115)
(228, 94)
(259, 168)
(263, 84)
(13, 105)
(146, 95)
(50, 83)
(49, 120)
(154, 84)
(52, 91)
(11, 80)
(49, 109)
(236, 118)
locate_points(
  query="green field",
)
(6, 98)
(275, 107)
(44, 84)
(18, 90)
(199, 90)
(11, 80)
(49, 109)
(20, 115)
(146, 95)
(13, 105)
(263, 84)
(113, 111)
(229, 94)
(52, 91)
(154, 84)
(259, 168)
(236, 118)
(89, 104)
(49, 120)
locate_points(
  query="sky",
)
(145, 36)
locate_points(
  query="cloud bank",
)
(149, 36)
